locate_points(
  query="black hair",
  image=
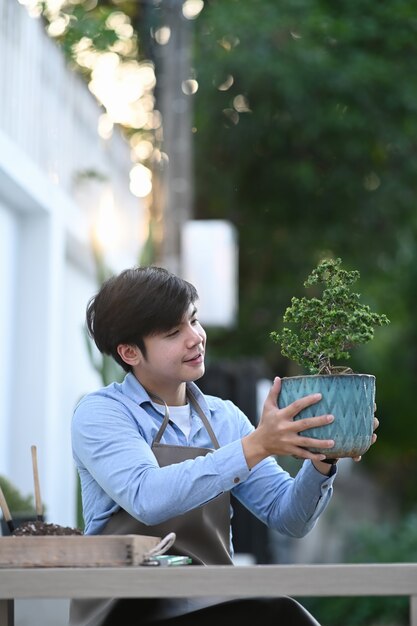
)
(137, 303)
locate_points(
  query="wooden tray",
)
(75, 551)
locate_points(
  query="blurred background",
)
(235, 142)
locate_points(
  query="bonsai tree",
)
(327, 328)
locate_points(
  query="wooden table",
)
(238, 581)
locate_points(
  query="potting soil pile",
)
(43, 528)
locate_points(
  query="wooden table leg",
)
(413, 610)
(6, 612)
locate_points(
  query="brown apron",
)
(202, 533)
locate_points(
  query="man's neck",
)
(176, 396)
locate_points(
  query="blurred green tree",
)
(390, 542)
(305, 134)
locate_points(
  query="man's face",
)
(175, 356)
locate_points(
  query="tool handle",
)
(6, 511)
(38, 499)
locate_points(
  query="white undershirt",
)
(181, 416)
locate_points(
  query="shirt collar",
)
(135, 390)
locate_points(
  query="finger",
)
(312, 456)
(357, 459)
(302, 403)
(376, 423)
(312, 422)
(374, 438)
(272, 397)
(308, 442)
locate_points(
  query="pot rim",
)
(323, 376)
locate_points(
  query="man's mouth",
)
(196, 358)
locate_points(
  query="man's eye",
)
(173, 333)
(194, 321)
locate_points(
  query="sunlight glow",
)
(58, 26)
(84, 53)
(140, 180)
(142, 149)
(232, 115)
(123, 86)
(192, 9)
(189, 87)
(162, 35)
(241, 104)
(227, 83)
(105, 126)
(120, 87)
(107, 228)
(120, 23)
(228, 43)
(51, 8)
(33, 7)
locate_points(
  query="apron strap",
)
(196, 406)
(204, 419)
(164, 424)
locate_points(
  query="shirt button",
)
(236, 480)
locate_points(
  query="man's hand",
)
(374, 437)
(324, 468)
(278, 434)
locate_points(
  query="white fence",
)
(48, 141)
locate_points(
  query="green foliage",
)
(319, 163)
(372, 611)
(387, 542)
(327, 328)
(16, 502)
(89, 23)
(320, 160)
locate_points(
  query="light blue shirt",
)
(112, 432)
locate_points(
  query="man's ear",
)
(129, 353)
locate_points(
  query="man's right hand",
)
(279, 434)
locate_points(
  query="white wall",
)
(8, 239)
(48, 122)
(79, 377)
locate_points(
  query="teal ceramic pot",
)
(349, 397)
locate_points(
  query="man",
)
(155, 455)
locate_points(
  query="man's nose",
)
(194, 336)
